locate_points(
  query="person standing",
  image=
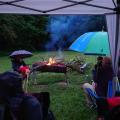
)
(103, 76)
(20, 66)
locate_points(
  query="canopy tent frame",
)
(20, 6)
(77, 3)
(110, 8)
(73, 3)
(14, 1)
(12, 4)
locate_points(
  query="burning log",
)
(47, 67)
(51, 61)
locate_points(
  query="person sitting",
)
(103, 72)
(92, 85)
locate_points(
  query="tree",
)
(22, 32)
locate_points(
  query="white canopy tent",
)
(110, 8)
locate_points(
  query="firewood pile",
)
(77, 64)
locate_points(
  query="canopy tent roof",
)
(57, 6)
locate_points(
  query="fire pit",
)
(45, 67)
(50, 66)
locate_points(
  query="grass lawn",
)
(67, 102)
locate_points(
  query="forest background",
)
(45, 33)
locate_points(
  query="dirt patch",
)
(41, 85)
(62, 83)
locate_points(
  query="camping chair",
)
(102, 106)
(98, 103)
(93, 96)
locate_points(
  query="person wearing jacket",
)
(103, 75)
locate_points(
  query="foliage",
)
(22, 32)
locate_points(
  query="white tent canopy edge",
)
(110, 8)
(56, 6)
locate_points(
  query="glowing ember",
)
(51, 61)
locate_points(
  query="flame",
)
(51, 61)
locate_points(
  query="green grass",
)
(67, 102)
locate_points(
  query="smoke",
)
(65, 29)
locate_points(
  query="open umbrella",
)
(21, 53)
(93, 43)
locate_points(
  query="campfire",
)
(51, 61)
(54, 64)
(55, 60)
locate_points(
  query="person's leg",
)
(88, 99)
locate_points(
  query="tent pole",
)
(20, 6)
(84, 3)
(14, 1)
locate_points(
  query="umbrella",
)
(93, 43)
(21, 53)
